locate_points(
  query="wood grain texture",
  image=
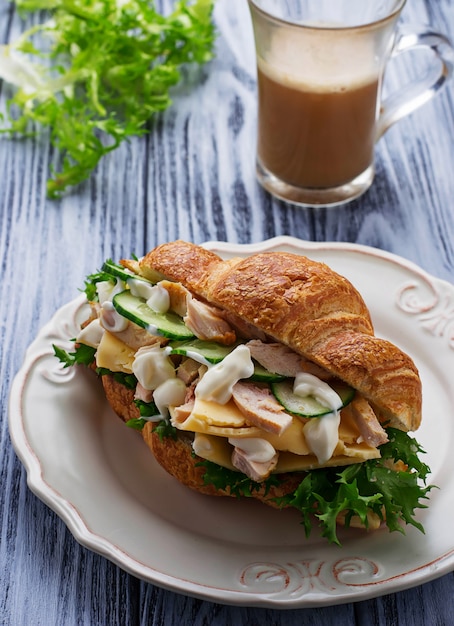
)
(192, 177)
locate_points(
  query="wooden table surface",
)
(192, 177)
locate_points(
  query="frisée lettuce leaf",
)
(92, 74)
(82, 355)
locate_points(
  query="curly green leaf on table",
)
(95, 72)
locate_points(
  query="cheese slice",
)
(222, 420)
(216, 414)
(215, 449)
(114, 355)
(289, 462)
(292, 439)
(218, 450)
(358, 451)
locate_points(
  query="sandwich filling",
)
(238, 418)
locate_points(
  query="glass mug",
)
(320, 67)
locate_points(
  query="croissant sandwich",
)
(259, 377)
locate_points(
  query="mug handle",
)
(409, 98)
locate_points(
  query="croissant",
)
(308, 307)
(311, 332)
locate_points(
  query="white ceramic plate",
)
(102, 481)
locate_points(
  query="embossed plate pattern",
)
(101, 480)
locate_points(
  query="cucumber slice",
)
(121, 272)
(308, 406)
(262, 375)
(210, 350)
(136, 309)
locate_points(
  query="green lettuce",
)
(94, 73)
(82, 355)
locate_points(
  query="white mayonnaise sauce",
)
(256, 449)
(110, 319)
(157, 296)
(202, 446)
(309, 385)
(217, 383)
(321, 433)
(91, 335)
(152, 366)
(152, 329)
(169, 393)
(159, 299)
(139, 288)
(199, 358)
(106, 289)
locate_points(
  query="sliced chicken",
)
(146, 395)
(188, 371)
(255, 470)
(279, 359)
(275, 357)
(312, 368)
(136, 337)
(370, 428)
(182, 412)
(190, 393)
(243, 329)
(260, 407)
(206, 323)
